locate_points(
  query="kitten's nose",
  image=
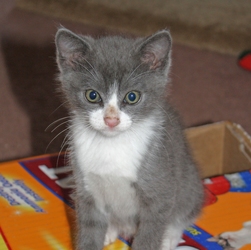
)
(112, 121)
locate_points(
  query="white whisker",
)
(66, 139)
(92, 67)
(143, 73)
(128, 78)
(61, 124)
(62, 146)
(58, 120)
(62, 104)
(80, 64)
(168, 115)
(55, 138)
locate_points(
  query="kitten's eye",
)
(132, 97)
(92, 96)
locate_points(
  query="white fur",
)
(113, 101)
(172, 237)
(114, 197)
(118, 155)
(109, 159)
(111, 235)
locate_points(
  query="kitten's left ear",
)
(71, 49)
(155, 50)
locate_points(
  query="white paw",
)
(169, 244)
(171, 238)
(111, 236)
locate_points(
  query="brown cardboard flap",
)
(237, 149)
(220, 148)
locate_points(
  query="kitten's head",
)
(113, 83)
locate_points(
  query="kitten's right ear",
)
(71, 49)
(155, 50)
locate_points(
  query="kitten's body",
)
(134, 175)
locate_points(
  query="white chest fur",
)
(118, 156)
(113, 195)
(110, 165)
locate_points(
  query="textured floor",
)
(206, 86)
(223, 26)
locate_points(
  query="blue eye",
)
(132, 97)
(92, 96)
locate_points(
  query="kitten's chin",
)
(111, 132)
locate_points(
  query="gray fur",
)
(168, 190)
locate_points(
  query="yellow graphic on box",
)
(2, 243)
(53, 242)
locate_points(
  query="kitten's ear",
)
(155, 50)
(71, 48)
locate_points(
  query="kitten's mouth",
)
(110, 132)
(111, 125)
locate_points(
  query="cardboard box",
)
(37, 211)
(220, 148)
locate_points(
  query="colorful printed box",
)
(37, 211)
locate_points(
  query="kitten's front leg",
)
(147, 237)
(92, 226)
(111, 235)
(172, 237)
(151, 237)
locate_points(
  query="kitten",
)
(134, 175)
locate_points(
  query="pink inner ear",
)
(73, 59)
(155, 50)
(150, 58)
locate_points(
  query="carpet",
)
(223, 26)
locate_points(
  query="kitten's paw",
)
(169, 244)
(171, 238)
(111, 236)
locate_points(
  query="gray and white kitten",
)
(134, 175)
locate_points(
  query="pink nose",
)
(111, 121)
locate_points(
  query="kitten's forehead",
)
(115, 45)
(115, 59)
(116, 52)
